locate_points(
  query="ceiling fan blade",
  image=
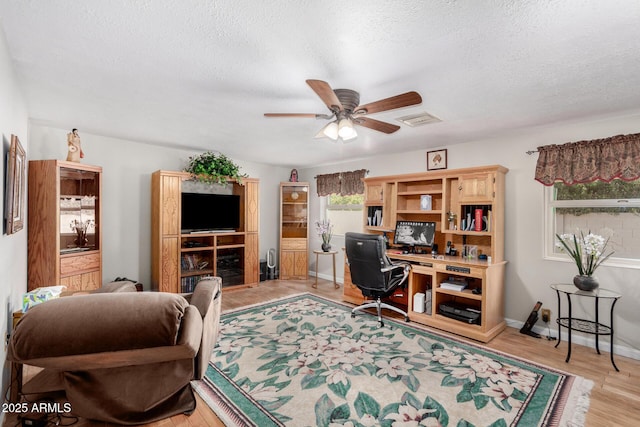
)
(398, 101)
(376, 124)
(328, 96)
(313, 116)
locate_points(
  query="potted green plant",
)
(213, 168)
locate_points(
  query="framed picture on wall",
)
(16, 180)
(437, 159)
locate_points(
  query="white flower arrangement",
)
(81, 226)
(588, 251)
(324, 229)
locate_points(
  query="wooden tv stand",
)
(179, 260)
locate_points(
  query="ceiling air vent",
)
(419, 119)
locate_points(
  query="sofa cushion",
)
(98, 323)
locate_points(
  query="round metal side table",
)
(583, 325)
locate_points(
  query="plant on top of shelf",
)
(213, 168)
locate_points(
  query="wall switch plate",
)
(546, 315)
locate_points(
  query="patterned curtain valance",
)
(342, 183)
(588, 161)
(328, 184)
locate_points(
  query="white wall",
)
(13, 248)
(126, 203)
(528, 274)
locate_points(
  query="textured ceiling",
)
(200, 74)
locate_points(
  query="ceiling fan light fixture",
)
(331, 130)
(350, 137)
(346, 130)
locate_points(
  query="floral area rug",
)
(303, 361)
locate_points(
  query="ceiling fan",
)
(346, 111)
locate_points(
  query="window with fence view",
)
(345, 212)
(610, 209)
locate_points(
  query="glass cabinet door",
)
(294, 211)
(78, 207)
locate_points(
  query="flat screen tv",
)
(414, 233)
(210, 212)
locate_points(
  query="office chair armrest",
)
(404, 265)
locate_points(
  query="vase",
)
(326, 247)
(585, 283)
(81, 238)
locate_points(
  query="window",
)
(344, 212)
(610, 209)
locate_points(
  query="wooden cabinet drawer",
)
(76, 264)
(82, 282)
(294, 244)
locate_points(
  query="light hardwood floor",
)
(615, 398)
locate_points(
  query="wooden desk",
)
(333, 254)
(427, 273)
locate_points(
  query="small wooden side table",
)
(333, 254)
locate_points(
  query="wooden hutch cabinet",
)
(64, 241)
(294, 230)
(467, 206)
(179, 259)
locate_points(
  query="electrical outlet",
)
(546, 315)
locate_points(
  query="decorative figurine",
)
(74, 145)
(294, 175)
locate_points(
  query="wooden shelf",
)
(418, 192)
(189, 273)
(196, 249)
(419, 211)
(468, 233)
(230, 246)
(467, 293)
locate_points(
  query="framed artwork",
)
(437, 159)
(14, 200)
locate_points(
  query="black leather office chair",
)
(373, 272)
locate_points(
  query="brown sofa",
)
(122, 357)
